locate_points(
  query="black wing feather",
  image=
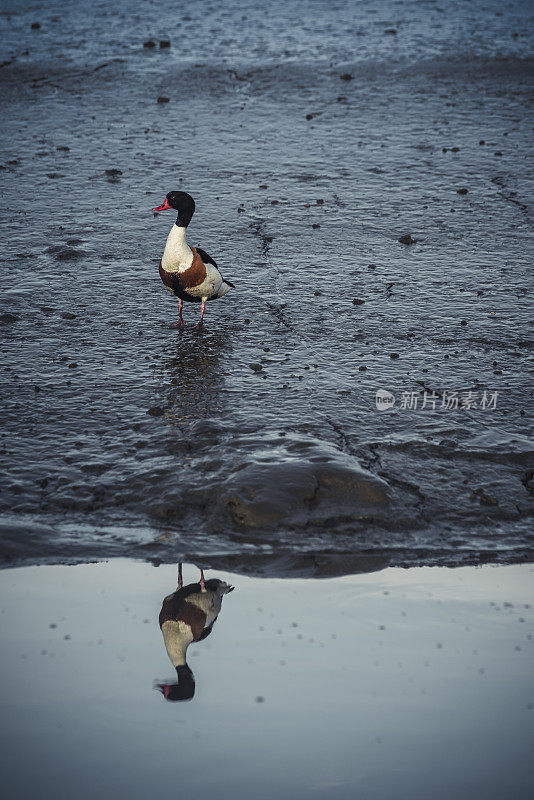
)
(207, 259)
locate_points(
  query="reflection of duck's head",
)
(183, 690)
(186, 616)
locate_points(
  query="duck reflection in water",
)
(186, 616)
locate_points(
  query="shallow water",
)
(406, 683)
(288, 464)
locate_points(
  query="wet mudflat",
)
(311, 146)
(404, 683)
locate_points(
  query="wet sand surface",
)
(311, 143)
(408, 683)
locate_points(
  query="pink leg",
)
(202, 307)
(202, 583)
(180, 579)
(180, 322)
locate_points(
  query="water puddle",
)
(405, 683)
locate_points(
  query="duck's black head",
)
(183, 690)
(183, 203)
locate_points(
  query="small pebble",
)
(358, 302)
(346, 76)
(162, 99)
(256, 367)
(406, 239)
(316, 225)
(155, 411)
(461, 191)
(164, 44)
(35, 26)
(394, 355)
(68, 315)
(149, 43)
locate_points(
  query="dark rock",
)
(155, 411)
(497, 153)
(163, 99)
(341, 99)
(482, 142)
(391, 31)
(461, 191)
(358, 302)
(362, 369)
(463, 322)
(346, 76)
(394, 355)
(316, 225)
(320, 202)
(68, 315)
(371, 266)
(149, 44)
(7, 319)
(256, 367)
(317, 294)
(309, 116)
(263, 186)
(113, 171)
(164, 44)
(455, 149)
(63, 148)
(35, 26)
(407, 239)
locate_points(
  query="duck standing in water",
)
(188, 616)
(189, 272)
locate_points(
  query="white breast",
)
(177, 256)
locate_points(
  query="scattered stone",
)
(263, 186)
(461, 191)
(358, 302)
(164, 44)
(463, 322)
(256, 367)
(362, 369)
(346, 76)
(63, 148)
(497, 153)
(391, 31)
(260, 699)
(35, 26)
(317, 293)
(274, 202)
(316, 225)
(155, 411)
(482, 142)
(341, 99)
(394, 355)
(320, 202)
(407, 239)
(310, 116)
(68, 315)
(73, 365)
(113, 171)
(149, 44)
(7, 319)
(455, 149)
(371, 266)
(484, 498)
(163, 99)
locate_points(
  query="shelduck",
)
(186, 616)
(189, 272)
